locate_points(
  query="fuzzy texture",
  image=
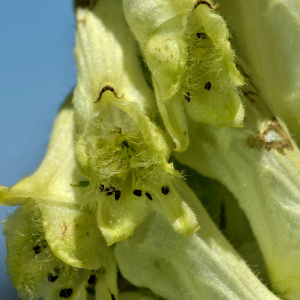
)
(269, 194)
(113, 155)
(55, 228)
(36, 272)
(269, 54)
(109, 71)
(120, 148)
(188, 53)
(203, 266)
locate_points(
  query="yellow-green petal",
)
(259, 164)
(269, 55)
(119, 219)
(170, 201)
(33, 269)
(109, 71)
(188, 53)
(204, 266)
(74, 236)
(51, 181)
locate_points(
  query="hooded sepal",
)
(192, 64)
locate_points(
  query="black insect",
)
(101, 187)
(165, 190)
(37, 249)
(207, 86)
(125, 143)
(117, 195)
(201, 35)
(92, 279)
(113, 297)
(109, 191)
(148, 196)
(65, 293)
(104, 89)
(187, 97)
(137, 193)
(51, 278)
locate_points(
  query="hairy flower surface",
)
(108, 214)
(185, 45)
(36, 272)
(121, 150)
(51, 241)
(175, 268)
(269, 195)
(260, 162)
(266, 36)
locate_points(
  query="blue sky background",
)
(37, 71)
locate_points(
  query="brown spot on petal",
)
(274, 137)
(63, 228)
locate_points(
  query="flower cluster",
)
(109, 214)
